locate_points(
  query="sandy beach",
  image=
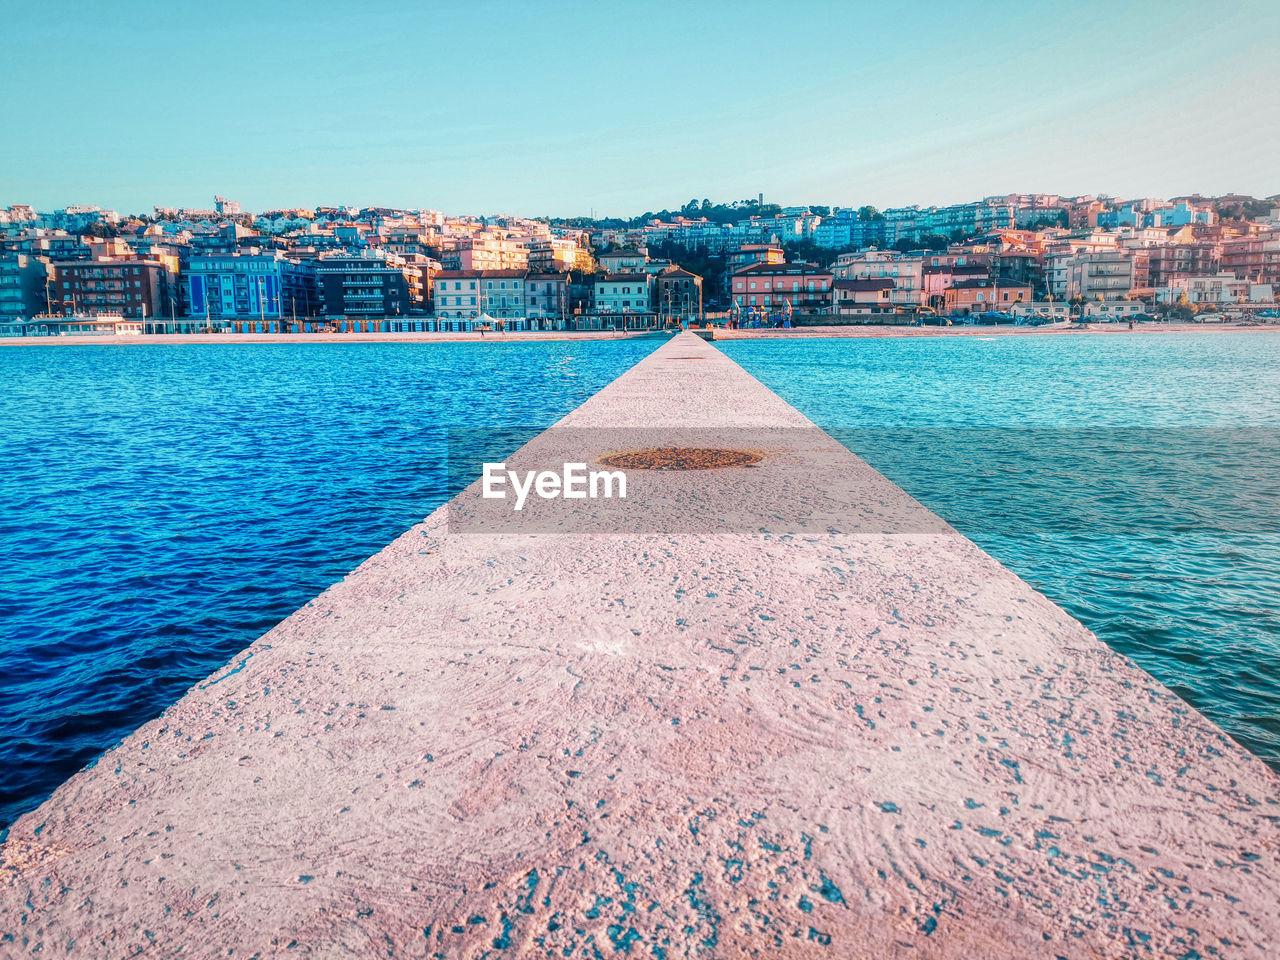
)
(1075, 329)
(861, 330)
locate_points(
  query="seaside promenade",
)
(726, 732)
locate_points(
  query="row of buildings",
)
(49, 284)
(848, 227)
(1016, 273)
(185, 270)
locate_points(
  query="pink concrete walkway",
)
(663, 745)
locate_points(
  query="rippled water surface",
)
(163, 506)
(1134, 479)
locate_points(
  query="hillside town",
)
(1020, 258)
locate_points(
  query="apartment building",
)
(907, 273)
(772, 285)
(624, 293)
(749, 254)
(262, 285)
(22, 287)
(546, 299)
(1167, 262)
(1218, 290)
(624, 261)
(363, 286)
(844, 229)
(863, 298)
(981, 294)
(556, 255)
(467, 295)
(1256, 259)
(125, 288)
(678, 294)
(1103, 274)
(485, 252)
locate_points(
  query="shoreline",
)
(423, 337)
(868, 330)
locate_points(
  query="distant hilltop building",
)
(228, 208)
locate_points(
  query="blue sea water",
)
(163, 506)
(1133, 479)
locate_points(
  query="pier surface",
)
(665, 744)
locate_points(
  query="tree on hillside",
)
(103, 231)
(868, 213)
(1241, 208)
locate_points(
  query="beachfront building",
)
(624, 293)
(1091, 274)
(366, 286)
(769, 287)
(864, 300)
(120, 288)
(980, 295)
(937, 278)
(678, 294)
(466, 299)
(1109, 311)
(1218, 290)
(249, 286)
(1019, 266)
(906, 272)
(1054, 310)
(546, 300)
(22, 289)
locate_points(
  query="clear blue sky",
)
(558, 108)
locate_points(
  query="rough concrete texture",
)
(663, 745)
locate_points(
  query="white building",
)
(1105, 310)
(1108, 274)
(462, 297)
(1224, 288)
(1049, 309)
(906, 272)
(624, 293)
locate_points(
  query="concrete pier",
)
(665, 744)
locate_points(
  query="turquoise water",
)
(163, 506)
(1134, 479)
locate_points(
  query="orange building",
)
(980, 295)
